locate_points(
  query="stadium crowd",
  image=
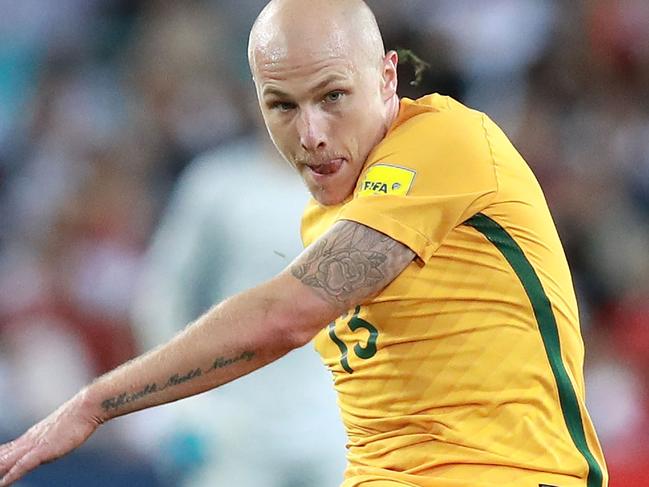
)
(105, 104)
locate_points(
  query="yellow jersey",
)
(466, 370)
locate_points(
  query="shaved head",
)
(326, 88)
(315, 27)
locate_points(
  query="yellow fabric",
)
(446, 380)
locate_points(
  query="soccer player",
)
(433, 282)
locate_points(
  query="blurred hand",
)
(61, 432)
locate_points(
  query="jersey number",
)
(362, 351)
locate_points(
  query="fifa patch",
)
(387, 179)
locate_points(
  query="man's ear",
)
(389, 74)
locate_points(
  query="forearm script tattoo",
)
(124, 398)
(351, 262)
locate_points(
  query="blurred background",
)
(137, 187)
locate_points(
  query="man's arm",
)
(345, 267)
(350, 264)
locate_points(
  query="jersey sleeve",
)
(427, 176)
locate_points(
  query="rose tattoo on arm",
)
(351, 262)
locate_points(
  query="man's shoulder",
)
(433, 124)
(434, 133)
(433, 107)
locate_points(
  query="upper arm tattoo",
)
(350, 263)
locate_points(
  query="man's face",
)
(325, 112)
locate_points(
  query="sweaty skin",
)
(327, 93)
(326, 88)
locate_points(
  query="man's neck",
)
(392, 112)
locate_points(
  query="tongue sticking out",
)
(328, 167)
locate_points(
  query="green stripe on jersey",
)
(549, 333)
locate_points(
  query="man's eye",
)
(282, 106)
(333, 96)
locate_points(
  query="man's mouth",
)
(326, 168)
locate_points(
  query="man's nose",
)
(312, 130)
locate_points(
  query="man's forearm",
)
(238, 336)
(345, 267)
(234, 338)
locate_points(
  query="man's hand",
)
(61, 432)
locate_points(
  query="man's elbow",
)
(299, 314)
(297, 327)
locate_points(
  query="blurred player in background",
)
(214, 241)
(453, 338)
